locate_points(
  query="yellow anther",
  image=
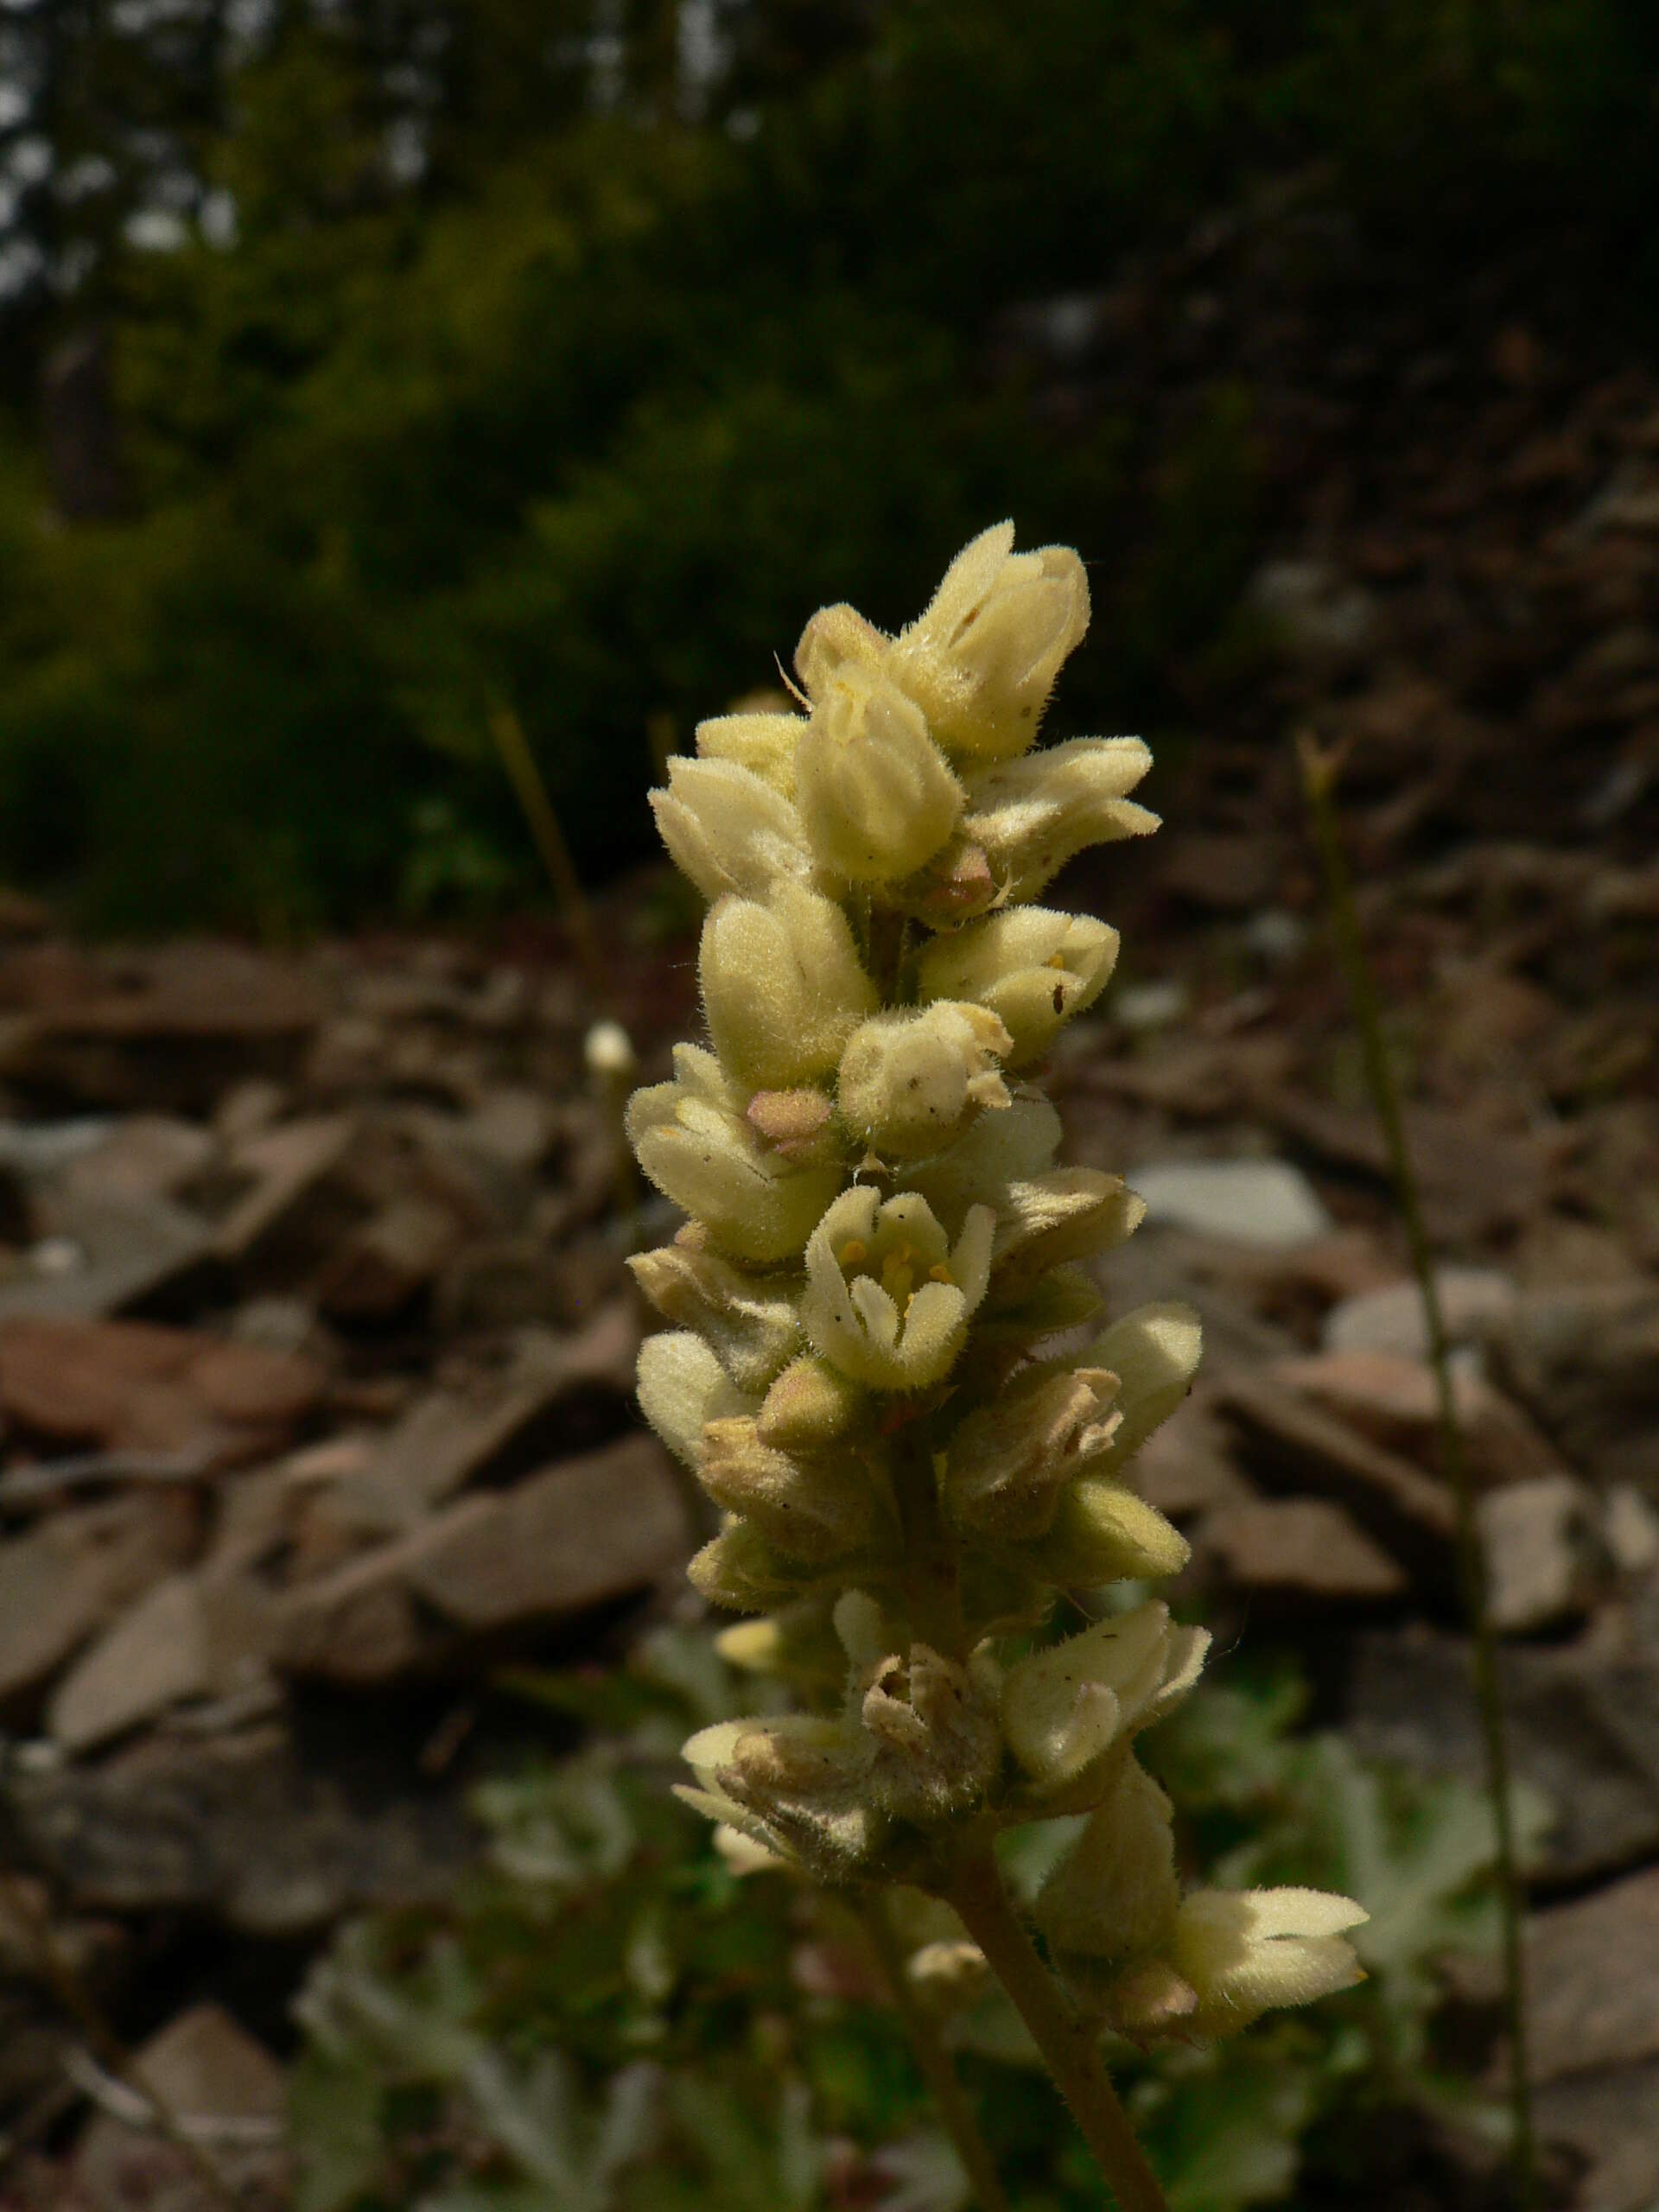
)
(854, 1252)
(1055, 960)
(939, 1274)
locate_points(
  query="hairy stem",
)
(934, 2060)
(1068, 2047)
(1319, 787)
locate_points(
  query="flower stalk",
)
(872, 1362)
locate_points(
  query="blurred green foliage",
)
(593, 414)
(607, 2019)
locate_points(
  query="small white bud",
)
(873, 790)
(1072, 1213)
(810, 1406)
(783, 987)
(887, 1298)
(982, 659)
(1245, 1952)
(805, 1512)
(607, 1050)
(1101, 1531)
(1154, 1351)
(908, 1081)
(1031, 816)
(836, 638)
(1032, 966)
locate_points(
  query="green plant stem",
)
(934, 2061)
(1319, 788)
(507, 732)
(58, 1975)
(1069, 2049)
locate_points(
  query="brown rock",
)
(1389, 1318)
(135, 1386)
(1587, 1363)
(155, 1656)
(1395, 1403)
(454, 1436)
(236, 1828)
(296, 1206)
(124, 1254)
(382, 1267)
(1304, 1549)
(1542, 1552)
(1184, 1467)
(205, 2069)
(65, 1579)
(146, 1156)
(584, 1531)
(1593, 1993)
(1290, 1445)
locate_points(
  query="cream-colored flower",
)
(783, 987)
(763, 743)
(682, 1385)
(693, 1142)
(888, 1298)
(806, 1510)
(872, 789)
(909, 1080)
(1001, 1473)
(1031, 816)
(1245, 1952)
(982, 659)
(728, 831)
(1033, 968)
(751, 1322)
(1064, 1708)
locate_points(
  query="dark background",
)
(370, 366)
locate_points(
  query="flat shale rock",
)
(64, 1579)
(1585, 1363)
(1394, 1401)
(1584, 1730)
(206, 2068)
(1264, 1203)
(110, 1252)
(1304, 1553)
(1291, 1445)
(237, 1828)
(1390, 1318)
(1544, 1555)
(584, 1531)
(136, 1386)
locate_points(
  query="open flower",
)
(909, 1080)
(1030, 817)
(888, 1298)
(1245, 1951)
(1064, 1708)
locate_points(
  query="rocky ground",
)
(316, 1342)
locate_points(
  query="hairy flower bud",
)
(1034, 969)
(805, 1512)
(1154, 1351)
(1069, 1214)
(783, 987)
(887, 1298)
(1064, 1708)
(750, 1322)
(873, 790)
(682, 1385)
(1114, 1894)
(728, 831)
(1029, 817)
(1101, 1531)
(982, 660)
(909, 1081)
(836, 638)
(1001, 1473)
(695, 1144)
(810, 1405)
(763, 743)
(1244, 1952)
